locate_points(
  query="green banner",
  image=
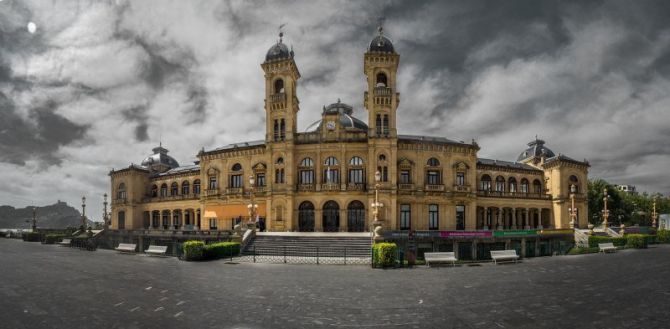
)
(502, 234)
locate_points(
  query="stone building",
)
(323, 179)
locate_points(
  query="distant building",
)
(627, 188)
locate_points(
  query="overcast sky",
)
(93, 86)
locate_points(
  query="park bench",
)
(502, 255)
(434, 257)
(156, 250)
(605, 247)
(65, 242)
(126, 247)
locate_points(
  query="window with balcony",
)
(485, 183)
(154, 191)
(433, 177)
(306, 172)
(537, 187)
(236, 181)
(356, 176)
(164, 190)
(185, 188)
(524, 186)
(460, 178)
(260, 179)
(174, 189)
(405, 217)
(512, 185)
(121, 193)
(212, 183)
(196, 186)
(500, 184)
(279, 175)
(405, 177)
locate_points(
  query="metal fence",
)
(306, 255)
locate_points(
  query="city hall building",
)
(323, 178)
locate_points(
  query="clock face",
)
(330, 125)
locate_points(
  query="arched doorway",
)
(331, 217)
(306, 217)
(356, 217)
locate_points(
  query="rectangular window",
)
(386, 125)
(433, 177)
(500, 186)
(282, 129)
(460, 217)
(405, 177)
(433, 217)
(307, 177)
(460, 178)
(155, 221)
(485, 185)
(164, 191)
(383, 173)
(356, 176)
(260, 179)
(236, 181)
(212, 183)
(212, 223)
(378, 125)
(276, 130)
(405, 217)
(279, 176)
(122, 220)
(196, 188)
(331, 176)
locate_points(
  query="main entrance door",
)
(331, 217)
(306, 217)
(356, 217)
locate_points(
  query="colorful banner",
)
(466, 234)
(502, 234)
(557, 232)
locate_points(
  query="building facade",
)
(324, 179)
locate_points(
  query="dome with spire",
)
(536, 148)
(160, 160)
(381, 44)
(344, 113)
(278, 51)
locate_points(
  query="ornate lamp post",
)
(606, 212)
(573, 211)
(376, 224)
(83, 213)
(104, 212)
(654, 215)
(34, 226)
(252, 206)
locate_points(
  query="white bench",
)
(440, 257)
(156, 250)
(65, 242)
(126, 247)
(499, 255)
(605, 247)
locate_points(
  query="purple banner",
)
(466, 234)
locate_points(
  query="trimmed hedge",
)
(193, 250)
(663, 236)
(221, 250)
(594, 240)
(32, 237)
(53, 238)
(580, 250)
(638, 241)
(384, 254)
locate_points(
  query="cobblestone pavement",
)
(46, 286)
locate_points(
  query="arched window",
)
(382, 158)
(537, 186)
(121, 220)
(500, 184)
(306, 217)
(485, 183)
(174, 189)
(331, 173)
(196, 187)
(155, 219)
(164, 190)
(356, 161)
(524, 186)
(356, 217)
(236, 180)
(512, 185)
(236, 167)
(279, 86)
(433, 162)
(280, 160)
(573, 180)
(154, 191)
(306, 172)
(331, 217)
(121, 193)
(383, 168)
(382, 81)
(185, 187)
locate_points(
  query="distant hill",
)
(58, 215)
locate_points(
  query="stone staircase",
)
(309, 244)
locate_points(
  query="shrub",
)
(193, 250)
(221, 250)
(384, 254)
(580, 250)
(3, 234)
(636, 241)
(53, 238)
(32, 236)
(663, 236)
(594, 240)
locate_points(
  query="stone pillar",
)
(515, 218)
(344, 221)
(486, 218)
(318, 220)
(539, 218)
(527, 219)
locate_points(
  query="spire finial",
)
(380, 24)
(281, 31)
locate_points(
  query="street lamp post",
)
(654, 215)
(83, 213)
(34, 226)
(104, 212)
(252, 206)
(376, 224)
(606, 212)
(573, 211)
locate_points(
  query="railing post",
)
(317, 255)
(254, 252)
(284, 254)
(345, 255)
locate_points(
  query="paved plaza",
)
(47, 286)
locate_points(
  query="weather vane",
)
(380, 23)
(281, 31)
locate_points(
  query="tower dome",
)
(160, 161)
(380, 43)
(535, 149)
(278, 51)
